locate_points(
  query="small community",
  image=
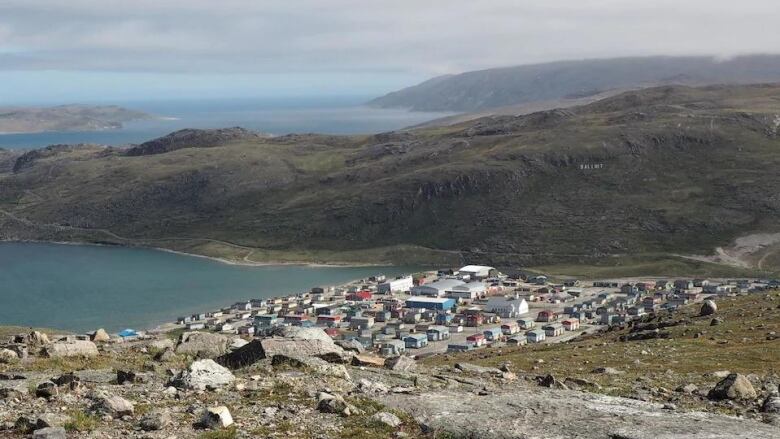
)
(458, 310)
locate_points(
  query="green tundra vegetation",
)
(641, 177)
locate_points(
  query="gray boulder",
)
(734, 386)
(401, 364)
(314, 345)
(100, 336)
(479, 370)
(114, 406)
(351, 345)
(155, 420)
(50, 433)
(314, 365)
(388, 419)
(203, 375)
(46, 389)
(202, 344)
(8, 356)
(73, 348)
(329, 403)
(708, 308)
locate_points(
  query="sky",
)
(87, 50)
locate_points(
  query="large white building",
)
(467, 291)
(478, 272)
(437, 288)
(507, 307)
(396, 285)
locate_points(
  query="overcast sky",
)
(119, 49)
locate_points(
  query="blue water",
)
(278, 116)
(81, 288)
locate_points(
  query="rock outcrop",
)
(202, 344)
(74, 348)
(203, 375)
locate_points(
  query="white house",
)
(396, 285)
(507, 307)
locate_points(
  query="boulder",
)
(161, 344)
(74, 348)
(608, 371)
(216, 417)
(329, 403)
(708, 308)
(716, 321)
(237, 343)
(131, 377)
(203, 375)
(69, 380)
(114, 406)
(8, 356)
(771, 404)
(314, 365)
(202, 344)
(351, 345)
(550, 381)
(36, 339)
(368, 360)
(401, 364)
(734, 386)
(46, 389)
(313, 346)
(50, 433)
(155, 420)
(100, 336)
(388, 419)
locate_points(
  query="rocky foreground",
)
(300, 383)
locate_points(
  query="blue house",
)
(492, 334)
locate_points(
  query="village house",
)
(546, 316)
(507, 307)
(416, 341)
(526, 323)
(194, 326)
(459, 347)
(553, 329)
(329, 320)
(392, 348)
(510, 328)
(538, 280)
(683, 284)
(535, 336)
(492, 334)
(438, 333)
(477, 339)
(518, 340)
(266, 321)
(571, 324)
(359, 296)
(361, 322)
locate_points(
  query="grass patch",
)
(81, 422)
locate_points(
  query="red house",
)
(360, 296)
(476, 339)
(547, 316)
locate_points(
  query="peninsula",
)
(66, 118)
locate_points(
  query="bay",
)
(80, 287)
(345, 115)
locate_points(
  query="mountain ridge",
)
(506, 86)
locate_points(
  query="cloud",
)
(427, 37)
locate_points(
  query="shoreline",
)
(195, 255)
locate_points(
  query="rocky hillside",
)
(492, 88)
(669, 170)
(298, 383)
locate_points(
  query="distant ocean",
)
(275, 116)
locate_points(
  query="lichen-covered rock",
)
(401, 364)
(73, 348)
(388, 419)
(708, 308)
(216, 417)
(114, 406)
(100, 336)
(202, 344)
(314, 365)
(734, 386)
(155, 420)
(50, 433)
(8, 356)
(203, 375)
